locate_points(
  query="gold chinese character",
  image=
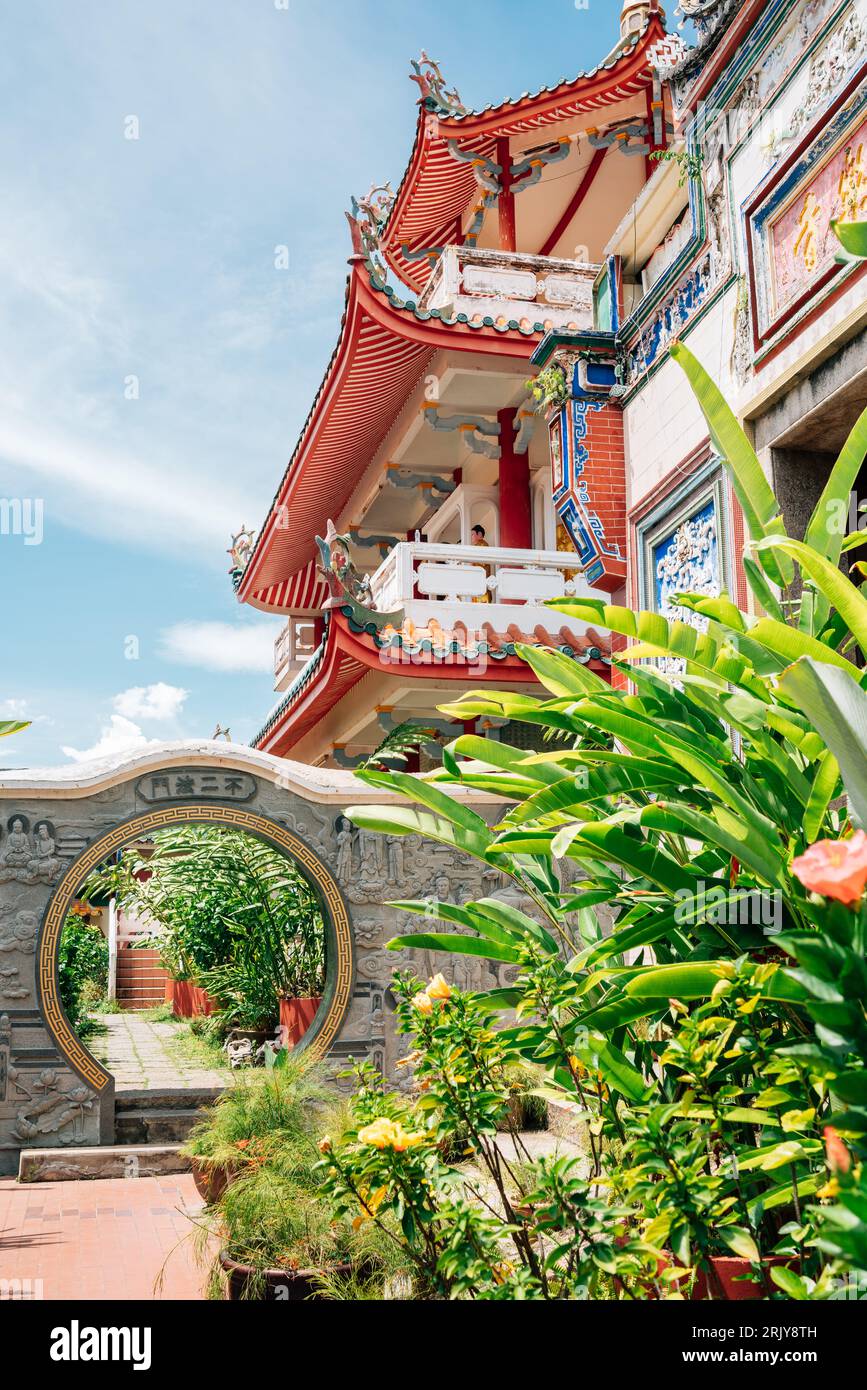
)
(807, 241)
(852, 187)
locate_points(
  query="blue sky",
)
(155, 366)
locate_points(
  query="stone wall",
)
(52, 1092)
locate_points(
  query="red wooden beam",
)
(575, 201)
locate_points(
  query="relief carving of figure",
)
(17, 853)
(344, 850)
(20, 934)
(45, 864)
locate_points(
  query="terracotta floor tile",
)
(102, 1239)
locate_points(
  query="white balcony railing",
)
(445, 582)
(292, 649)
(510, 285)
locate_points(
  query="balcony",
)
(445, 583)
(293, 648)
(511, 286)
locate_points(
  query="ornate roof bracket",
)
(478, 431)
(526, 421)
(381, 542)
(398, 477)
(487, 173)
(634, 138)
(423, 253)
(528, 171)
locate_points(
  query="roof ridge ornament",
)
(426, 72)
(367, 218)
(240, 550)
(706, 15)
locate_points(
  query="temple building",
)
(502, 373)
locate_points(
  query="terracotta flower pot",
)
(296, 1016)
(212, 1179)
(275, 1285)
(726, 1282)
(188, 1000)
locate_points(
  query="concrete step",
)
(154, 1127)
(108, 1161)
(186, 1098)
(159, 1117)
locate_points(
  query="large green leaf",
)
(559, 673)
(789, 643)
(837, 706)
(840, 592)
(825, 532)
(685, 981)
(405, 820)
(13, 726)
(852, 236)
(418, 790)
(759, 505)
(457, 945)
(822, 793)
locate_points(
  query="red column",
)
(516, 525)
(506, 200)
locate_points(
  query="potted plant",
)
(257, 1115)
(280, 1242)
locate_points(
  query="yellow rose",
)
(439, 988)
(423, 1003)
(378, 1135)
(388, 1134)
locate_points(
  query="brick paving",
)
(105, 1239)
(139, 1055)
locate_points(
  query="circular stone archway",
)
(338, 934)
(58, 824)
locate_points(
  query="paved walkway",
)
(100, 1240)
(140, 1056)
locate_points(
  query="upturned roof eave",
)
(490, 121)
(430, 329)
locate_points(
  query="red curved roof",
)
(437, 189)
(348, 654)
(384, 347)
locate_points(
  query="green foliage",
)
(717, 1029)
(82, 966)
(499, 1227)
(549, 389)
(274, 1108)
(262, 1133)
(689, 163)
(230, 912)
(399, 743)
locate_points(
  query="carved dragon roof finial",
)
(366, 220)
(240, 550)
(432, 85)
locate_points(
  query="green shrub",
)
(82, 965)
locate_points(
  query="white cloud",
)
(221, 646)
(159, 701)
(119, 736)
(13, 709)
